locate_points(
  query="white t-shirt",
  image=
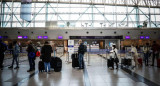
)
(134, 50)
(113, 53)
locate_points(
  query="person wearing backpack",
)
(81, 50)
(3, 48)
(46, 58)
(15, 53)
(31, 56)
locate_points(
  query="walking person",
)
(3, 48)
(155, 51)
(31, 56)
(15, 53)
(146, 51)
(135, 54)
(115, 56)
(46, 52)
(81, 50)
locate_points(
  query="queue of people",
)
(47, 50)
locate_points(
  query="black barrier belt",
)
(137, 77)
(86, 77)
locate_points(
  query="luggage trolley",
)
(128, 61)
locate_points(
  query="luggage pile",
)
(126, 62)
(56, 64)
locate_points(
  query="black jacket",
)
(46, 53)
(82, 48)
(30, 48)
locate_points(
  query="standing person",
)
(115, 56)
(81, 50)
(10, 48)
(146, 51)
(15, 54)
(30, 49)
(155, 50)
(3, 48)
(135, 54)
(46, 52)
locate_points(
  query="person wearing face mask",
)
(115, 56)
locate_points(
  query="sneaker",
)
(49, 72)
(10, 67)
(16, 67)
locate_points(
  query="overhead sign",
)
(96, 37)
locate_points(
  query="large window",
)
(79, 15)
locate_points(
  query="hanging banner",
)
(26, 10)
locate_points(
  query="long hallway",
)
(96, 74)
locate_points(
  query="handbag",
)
(32, 55)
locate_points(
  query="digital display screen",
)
(127, 37)
(39, 37)
(25, 37)
(20, 37)
(141, 37)
(147, 37)
(60, 37)
(45, 37)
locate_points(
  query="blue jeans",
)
(47, 64)
(15, 57)
(31, 63)
(146, 55)
(80, 60)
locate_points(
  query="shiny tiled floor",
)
(98, 75)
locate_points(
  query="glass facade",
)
(80, 15)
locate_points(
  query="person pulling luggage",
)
(81, 50)
(115, 57)
(135, 54)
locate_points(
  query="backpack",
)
(83, 49)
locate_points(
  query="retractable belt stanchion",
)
(88, 59)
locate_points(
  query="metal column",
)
(137, 16)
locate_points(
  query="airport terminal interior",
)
(83, 42)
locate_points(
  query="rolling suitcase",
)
(140, 61)
(158, 63)
(75, 62)
(110, 62)
(56, 64)
(41, 66)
